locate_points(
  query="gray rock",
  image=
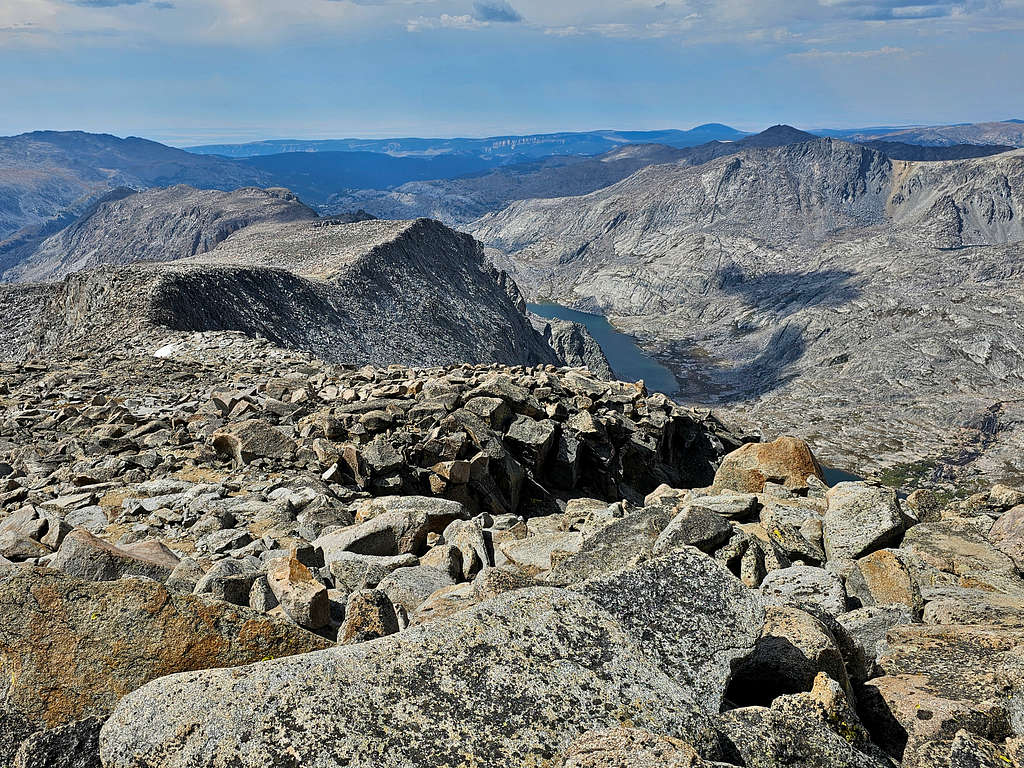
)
(532, 440)
(621, 544)
(805, 587)
(399, 525)
(639, 646)
(694, 526)
(74, 745)
(253, 439)
(409, 587)
(794, 648)
(352, 571)
(229, 580)
(468, 537)
(369, 614)
(863, 637)
(539, 553)
(185, 576)
(860, 519)
(818, 728)
(89, 557)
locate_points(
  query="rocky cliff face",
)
(156, 225)
(367, 292)
(817, 283)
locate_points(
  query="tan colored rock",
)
(303, 598)
(882, 578)
(252, 439)
(939, 679)
(369, 615)
(787, 461)
(70, 649)
(1007, 533)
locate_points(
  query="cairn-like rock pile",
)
(232, 555)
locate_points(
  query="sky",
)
(207, 71)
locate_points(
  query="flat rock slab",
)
(511, 681)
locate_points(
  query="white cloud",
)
(769, 22)
(888, 51)
(445, 21)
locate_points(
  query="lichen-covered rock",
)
(70, 649)
(940, 679)
(629, 748)
(818, 729)
(805, 587)
(793, 649)
(546, 663)
(787, 461)
(859, 519)
(73, 745)
(369, 614)
(694, 526)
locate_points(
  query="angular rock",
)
(938, 680)
(794, 648)
(70, 649)
(73, 745)
(302, 597)
(409, 587)
(787, 461)
(621, 544)
(863, 637)
(252, 439)
(859, 519)
(654, 647)
(369, 614)
(694, 526)
(805, 587)
(818, 729)
(445, 558)
(354, 572)
(392, 525)
(1007, 533)
(532, 440)
(89, 557)
(535, 554)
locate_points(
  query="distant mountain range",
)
(48, 178)
(1007, 133)
(495, 148)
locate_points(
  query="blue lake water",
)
(629, 362)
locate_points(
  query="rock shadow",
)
(788, 292)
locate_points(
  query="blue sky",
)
(194, 71)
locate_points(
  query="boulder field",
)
(232, 556)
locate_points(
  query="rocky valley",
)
(820, 288)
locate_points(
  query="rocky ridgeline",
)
(473, 566)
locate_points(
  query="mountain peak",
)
(777, 136)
